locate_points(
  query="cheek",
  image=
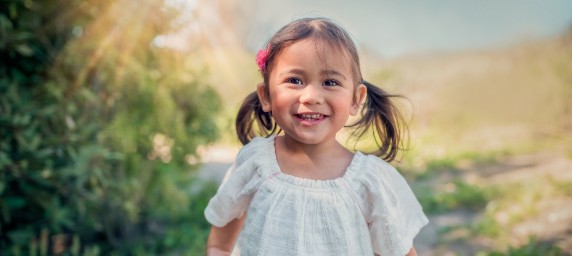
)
(348, 105)
(281, 103)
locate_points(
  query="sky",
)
(394, 28)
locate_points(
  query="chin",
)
(312, 139)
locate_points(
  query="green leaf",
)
(25, 50)
(21, 236)
(34, 143)
(22, 36)
(4, 160)
(5, 23)
(13, 10)
(15, 202)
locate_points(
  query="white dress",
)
(370, 209)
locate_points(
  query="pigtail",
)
(389, 127)
(250, 112)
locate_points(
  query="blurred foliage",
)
(532, 248)
(457, 195)
(96, 125)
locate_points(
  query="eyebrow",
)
(299, 71)
(333, 72)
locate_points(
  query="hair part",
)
(379, 111)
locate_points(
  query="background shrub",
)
(96, 126)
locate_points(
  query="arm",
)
(412, 252)
(221, 240)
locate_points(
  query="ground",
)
(550, 221)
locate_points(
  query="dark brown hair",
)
(378, 112)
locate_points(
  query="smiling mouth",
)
(310, 117)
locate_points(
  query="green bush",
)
(95, 127)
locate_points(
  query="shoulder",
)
(389, 206)
(385, 173)
(257, 156)
(251, 163)
(373, 167)
(257, 147)
(376, 180)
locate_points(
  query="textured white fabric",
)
(370, 209)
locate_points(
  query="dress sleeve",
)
(393, 213)
(239, 185)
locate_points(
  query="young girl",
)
(297, 191)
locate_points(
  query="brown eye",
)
(294, 80)
(331, 83)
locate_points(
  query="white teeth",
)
(310, 116)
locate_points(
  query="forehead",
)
(316, 52)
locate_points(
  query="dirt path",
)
(551, 223)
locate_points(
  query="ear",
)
(361, 94)
(264, 99)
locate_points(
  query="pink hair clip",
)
(261, 57)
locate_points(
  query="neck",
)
(314, 151)
(314, 161)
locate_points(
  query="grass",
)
(424, 167)
(498, 206)
(501, 207)
(454, 195)
(532, 248)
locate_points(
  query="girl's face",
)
(312, 92)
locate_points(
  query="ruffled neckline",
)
(269, 150)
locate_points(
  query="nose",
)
(312, 94)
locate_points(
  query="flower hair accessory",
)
(261, 58)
